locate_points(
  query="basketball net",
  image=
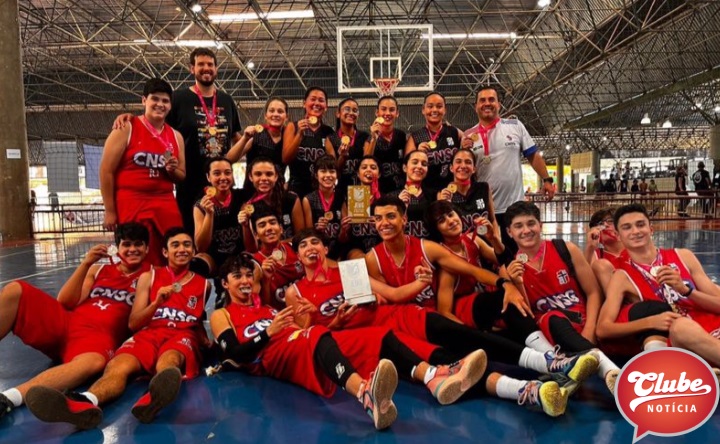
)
(386, 86)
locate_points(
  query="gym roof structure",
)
(576, 72)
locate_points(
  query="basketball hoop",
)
(386, 86)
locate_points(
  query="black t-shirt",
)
(440, 158)
(302, 169)
(680, 182)
(332, 231)
(264, 146)
(701, 179)
(390, 154)
(227, 239)
(623, 186)
(416, 211)
(355, 153)
(474, 204)
(187, 117)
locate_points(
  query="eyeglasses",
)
(347, 109)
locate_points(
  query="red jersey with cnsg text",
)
(552, 288)
(398, 275)
(248, 323)
(142, 166)
(181, 310)
(649, 290)
(328, 295)
(284, 276)
(109, 302)
(466, 285)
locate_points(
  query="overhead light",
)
(667, 124)
(604, 138)
(645, 120)
(250, 65)
(184, 43)
(195, 7)
(698, 105)
(717, 109)
(542, 153)
(567, 147)
(476, 36)
(249, 16)
(543, 3)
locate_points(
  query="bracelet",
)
(500, 282)
(689, 292)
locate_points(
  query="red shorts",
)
(407, 321)
(463, 309)
(543, 323)
(45, 325)
(157, 213)
(629, 346)
(149, 344)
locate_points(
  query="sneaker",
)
(51, 405)
(611, 379)
(548, 396)
(163, 390)
(376, 395)
(451, 381)
(5, 405)
(578, 367)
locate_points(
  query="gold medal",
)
(412, 189)
(210, 191)
(277, 255)
(176, 287)
(487, 160)
(328, 216)
(249, 209)
(452, 188)
(380, 120)
(432, 144)
(212, 130)
(259, 128)
(522, 257)
(474, 137)
(345, 140)
(312, 120)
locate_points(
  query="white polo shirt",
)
(508, 140)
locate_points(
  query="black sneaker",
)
(51, 405)
(5, 405)
(164, 388)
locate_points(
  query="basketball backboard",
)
(366, 53)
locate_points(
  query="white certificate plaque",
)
(356, 282)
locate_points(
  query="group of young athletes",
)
(464, 290)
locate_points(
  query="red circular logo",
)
(666, 392)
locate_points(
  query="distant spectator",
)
(54, 201)
(33, 201)
(597, 185)
(681, 190)
(624, 184)
(610, 185)
(652, 187)
(702, 181)
(643, 186)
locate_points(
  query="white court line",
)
(15, 254)
(38, 274)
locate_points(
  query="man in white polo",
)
(498, 144)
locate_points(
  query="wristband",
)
(548, 180)
(500, 282)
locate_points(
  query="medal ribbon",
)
(483, 131)
(416, 184)
(375, 189)
(352, 139)
(463, 183)
(257, 197)
(210, 117)
(662, 291)
(395, 269)
(435, 135)
(174, 277)
(158, 135)
(326, 204)
(318, 271)
(226, 202)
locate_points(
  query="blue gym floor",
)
(233, 407)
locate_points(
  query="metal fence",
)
(564, 208)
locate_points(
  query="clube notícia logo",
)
(667, 392)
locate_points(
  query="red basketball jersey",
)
(649, 290)
(109, 303)
(399, 275)
(248, 323)
(284, 276)
(615, 260)
(327, 296)
(466, 285)
(142, 166)
(552, 288)
(182, 310)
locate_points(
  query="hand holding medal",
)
(112, 251)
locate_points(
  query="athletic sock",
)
(429, 374)
(606, 364)
(92, 398)
(537, 341)
(534, 360)
(654, 345)
(509, 388)
(14, 396)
